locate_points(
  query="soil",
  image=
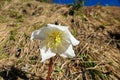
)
(97, 28)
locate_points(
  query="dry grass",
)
(97, 56)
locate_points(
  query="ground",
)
(97, 28)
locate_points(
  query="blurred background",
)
(90, 2)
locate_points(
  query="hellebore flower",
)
(56, 39)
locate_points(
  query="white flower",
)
(56, 39)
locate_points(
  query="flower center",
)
(54, 39)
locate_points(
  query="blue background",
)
(92, 2)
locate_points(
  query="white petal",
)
(46, 53)
(67, 34)
(63, 55)
(71, 38)
(61, 48)
(59, 27)
(68, 53)
(41, 34)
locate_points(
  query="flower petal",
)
(39, 34)
(61, 48)
(71, 38)
(67, 33)
(42, 33)
(59, 27)
(68, 53)
(63, 55)
(46, 53)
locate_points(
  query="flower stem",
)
(50, 69)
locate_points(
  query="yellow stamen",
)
(54, 39)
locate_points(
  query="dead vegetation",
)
(97, 27)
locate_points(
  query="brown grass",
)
(97, 28)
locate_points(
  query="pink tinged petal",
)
(68, 53)
(46, 53)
